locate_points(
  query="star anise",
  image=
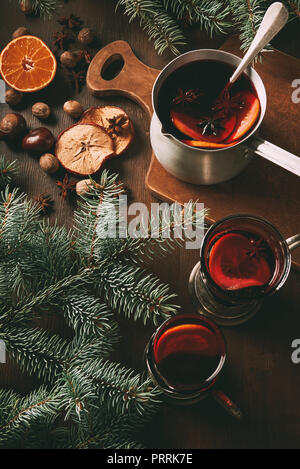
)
(62, 39)
(78, 78)
(45, 202)
(211, 126)
(187, 97)
(225, 104)
(86, 56)
(257, 249)
(71, 22)
(117, 124)
(66, 186)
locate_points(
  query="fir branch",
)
(49, 296)
(247, 16)
(135, 293)
(86, 314)
(160, 236)
(170, 227)
(45, 8)
(294, 7)
(9, 400)
(155, 20)
(40, 407)
(18, 220)
(121, 390)
(82, 349)
(35, 350)
(211, 15)
(88, 215)
(7, 172)
(75, 394)
(42, 266)
(97, 432)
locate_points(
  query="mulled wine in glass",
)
(185, 357)
(243, 259)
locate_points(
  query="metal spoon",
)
(274, 20)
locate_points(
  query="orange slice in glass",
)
(27, 64)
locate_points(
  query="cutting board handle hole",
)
(112, 67)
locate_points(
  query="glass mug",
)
(243, 259)
(185, 357)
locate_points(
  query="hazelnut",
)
(49, 163)
(26, 6)
(13, 97)
(82, 187)
(22, 31)
(41, 110)
(86, 36)
(12, 126)
(73, 109)
(70, 59)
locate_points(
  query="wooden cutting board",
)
(263, 188)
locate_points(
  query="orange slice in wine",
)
(247, 116)
(27, 64)
(193, 126)
(232, 266)
(204, 144)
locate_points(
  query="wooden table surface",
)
(259, 374)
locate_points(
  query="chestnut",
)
(38, 140)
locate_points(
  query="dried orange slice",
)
(27, 64)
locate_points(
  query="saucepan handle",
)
(273, 153)
(227, 404)
(293, 242)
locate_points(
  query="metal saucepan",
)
(202, 166)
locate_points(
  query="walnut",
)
(22, 31)
(12, 126)
(70, 59)
(13, 97)
(41, 110)
(49, 163)
(86, 36)
(73, 109)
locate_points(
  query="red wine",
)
(187, 355)
(240, 260)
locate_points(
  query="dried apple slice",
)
(195, 127)
(209, 145)
(247, 116)
(83, 148)
(115, 121)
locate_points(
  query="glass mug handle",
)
(227, 404)
(293, 242)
